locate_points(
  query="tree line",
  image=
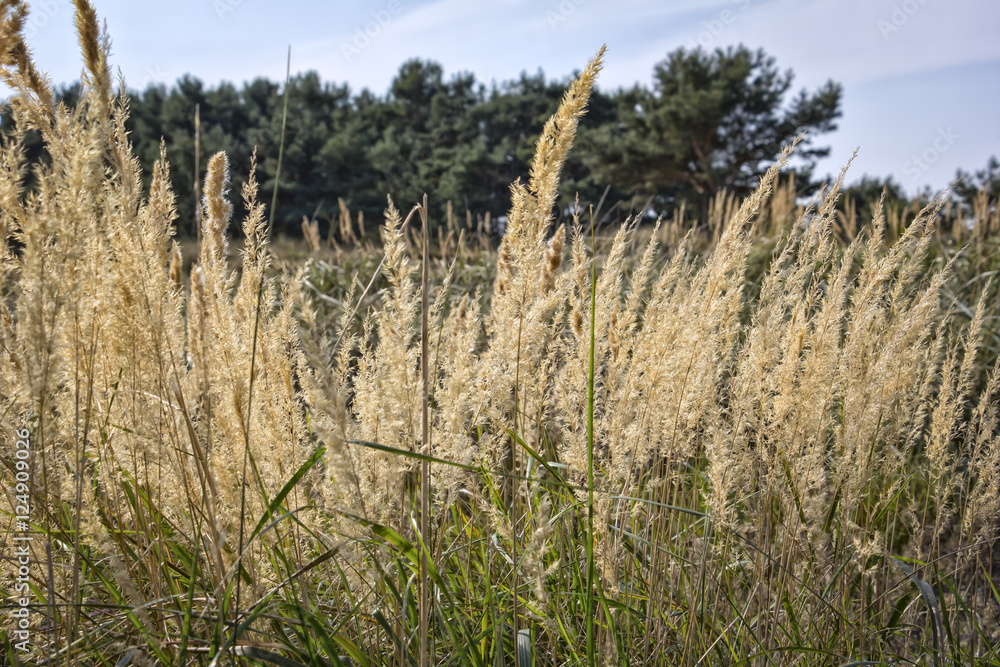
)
(710, 120)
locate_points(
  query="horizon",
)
(919, 77)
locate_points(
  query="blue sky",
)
(921, 77)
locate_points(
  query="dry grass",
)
(643, 450)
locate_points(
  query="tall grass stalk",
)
(591, 372)
(425, 438)
(256, 328)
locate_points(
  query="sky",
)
(921, 78)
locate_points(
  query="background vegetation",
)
(710, 121)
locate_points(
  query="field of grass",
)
(771, 439)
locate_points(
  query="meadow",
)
(770, 438)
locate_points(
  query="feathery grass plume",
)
(324, 375)
(217, 210)
(553, 258)
(13, 170)
(720, 211)
(554, 143)
(95, 46)
(347, 234)
(310, 231)
(945, 420)
(12, 15)
(176, 266)
(386, 388)
(521, 258)
(884, 355)
(531, 205)
(456, 366)
(35, 102)
(981, 519)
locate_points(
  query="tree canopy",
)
(710, 120)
